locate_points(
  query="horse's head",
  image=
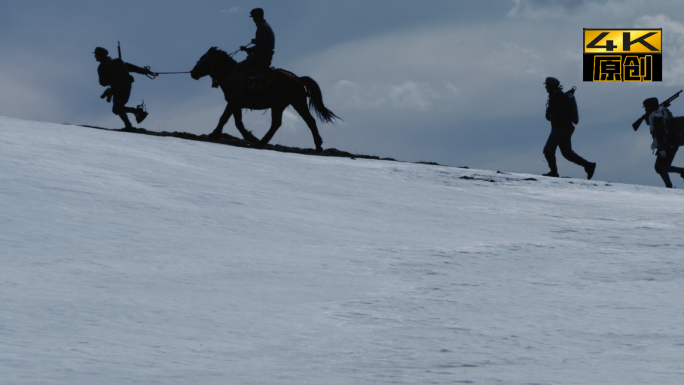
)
(202, 67)
(214, 63)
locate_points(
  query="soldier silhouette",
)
(664, 150)
(260, 56)
(114, 73)
(559, 114)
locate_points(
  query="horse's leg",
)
(222, 122)
(247, 135)
(301, 108)
(276, 121)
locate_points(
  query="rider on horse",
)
(260, 56)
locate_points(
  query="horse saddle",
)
(257, 80)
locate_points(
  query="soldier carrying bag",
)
(571, 105)
(674, 131)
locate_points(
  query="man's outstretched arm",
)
(138, 70)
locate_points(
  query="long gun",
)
(666, 104)
(118, 45)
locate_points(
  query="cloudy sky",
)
(450, 81)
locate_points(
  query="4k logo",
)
(623, 55)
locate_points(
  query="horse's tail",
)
(316, 100)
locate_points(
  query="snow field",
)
(127, 258)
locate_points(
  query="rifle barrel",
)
(673, 97)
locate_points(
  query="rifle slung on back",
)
(665, 104)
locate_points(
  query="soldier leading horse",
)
(284, 90)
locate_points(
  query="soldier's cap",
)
(653, 102)
(101, 51)
(256, 12)
(552, 82)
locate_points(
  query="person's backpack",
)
(571, 105)
(674, 128)
(118, 73)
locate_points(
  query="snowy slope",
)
(134, 259)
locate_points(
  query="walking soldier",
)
(114, 73)
(561, 111)
(665, 143)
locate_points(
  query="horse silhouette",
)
(285, 89)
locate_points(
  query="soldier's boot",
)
(127, 123)
(551, 160)
(589, 169)
(140, 113)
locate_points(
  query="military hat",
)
(101, 51)
(653, 102)
(553, 82)
(257, 12)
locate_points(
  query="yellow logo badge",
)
(623, 55)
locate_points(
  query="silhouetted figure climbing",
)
(664, 149)
(114, 73)
(561, 111)
(260, 56)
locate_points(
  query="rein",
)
(171, 73)
(211, 64)
(238, 50)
